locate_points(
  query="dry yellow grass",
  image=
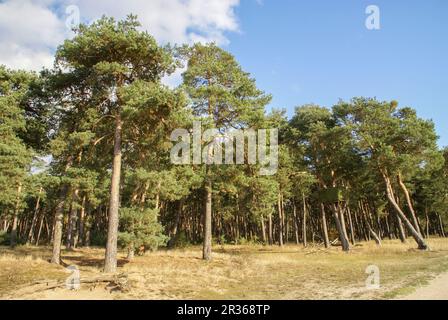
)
(236, 272)
(20, 267)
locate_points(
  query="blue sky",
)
(300, 51)
(320, 51)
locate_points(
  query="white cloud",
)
(30, 30)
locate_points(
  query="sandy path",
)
(437, 289)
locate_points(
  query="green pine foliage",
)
(363, 169)
(141, 229)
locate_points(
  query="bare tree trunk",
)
(342, 235)
(341, 211)
(87, 236)
(374, 235)
(352, 230)
(415, 234)
(81, 221)
(13, 240)
(304, 221)
(30, 238)
(442, 228)
(159, 184)
(110, 263)
(401, 233)
(296, 226)
(280, 221)
(285, 221)
(72, 221)
(207, 246)
(177, 221)
(324, 226)
(389, 233)
(263, 230)
(50, 234)
(359, 220)
(409, 203)
(57, 233)
(270, 234)
(40, 228)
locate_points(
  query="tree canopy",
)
(85, 150)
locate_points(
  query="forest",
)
(85, 157)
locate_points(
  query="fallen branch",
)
(118, 281)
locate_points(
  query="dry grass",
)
(236, 272)
(22, 266)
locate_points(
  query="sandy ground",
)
(63, 294)
(437, 289)
(236, 272)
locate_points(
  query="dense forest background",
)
(85, 156)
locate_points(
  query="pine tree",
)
(223, 96)
(119, 69)
(15, 155)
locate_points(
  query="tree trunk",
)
(352, 230)
(285, 223)
(296, 226)
(81, 221)
(442, 229)
(13, 241)
(401, 233)
(270, 233)
(389, 232)
(56, 235)
(409, 203)
(30, 238)
(178, 216)
(304, 221)
(40, 229)
(159, 184)
(57, 232)
(324, 226)
(110, 263)
(72, 221)
(87, 237)
(280, 221)
(359, 219)
(207, 245)
(263, 230)
(50, 234)
(342, 235)
(374, 235)
(341, 211)
(415, 234)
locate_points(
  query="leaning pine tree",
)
(393, 140)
